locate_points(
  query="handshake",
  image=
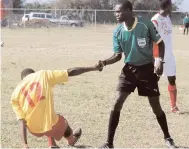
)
(100, 65)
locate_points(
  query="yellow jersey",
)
(32, 100)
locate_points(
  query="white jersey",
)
(164, 27)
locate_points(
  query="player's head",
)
(187, 14)
(166, 6)
(26, 72)
(123, 10)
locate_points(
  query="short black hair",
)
(126, 4)
(164, 3)
(26, 72)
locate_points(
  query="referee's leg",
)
(161, 118)
(160, 115)
(115, 114)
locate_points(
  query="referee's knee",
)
(119, 101)
(158, 111)
(117, 107)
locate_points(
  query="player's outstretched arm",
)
(23, 132)
(80, 70)
(113, 59)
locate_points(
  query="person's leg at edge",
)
(184, 30)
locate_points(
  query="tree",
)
(83, 4)
(108, 4)
(18, 3)
(36, 5)
(152, 4)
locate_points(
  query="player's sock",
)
(163, 124)
(51, 142)
(173, 94)
(113, 123)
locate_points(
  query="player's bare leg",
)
(173, 93)
(52, 143)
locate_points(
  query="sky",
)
(183, 7)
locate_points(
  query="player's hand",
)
(100, 66)
(159, 68)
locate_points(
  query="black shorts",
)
(187, 25)
(141, 77)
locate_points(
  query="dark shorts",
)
(141, 77)
(187, 25)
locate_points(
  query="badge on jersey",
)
(141, 42)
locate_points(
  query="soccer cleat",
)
(175, 110)
(77, 134)
(107, 145)
(2, 44)
(170, 143)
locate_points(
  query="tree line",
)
(91, 4)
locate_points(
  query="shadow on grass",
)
(183, 147)
(184, 113)
(83, 146)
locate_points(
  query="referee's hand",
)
(100, 65)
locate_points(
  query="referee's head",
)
(123, 10)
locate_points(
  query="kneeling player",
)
(32, 102)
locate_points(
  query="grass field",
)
(86, 100)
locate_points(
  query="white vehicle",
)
(40, 16)
(65, 20)
(25, 18)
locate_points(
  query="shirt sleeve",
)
(16, 107)
(57, 76)
(154, 33)
(116, 44)
(155, 22)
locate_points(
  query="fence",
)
(89, 17)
